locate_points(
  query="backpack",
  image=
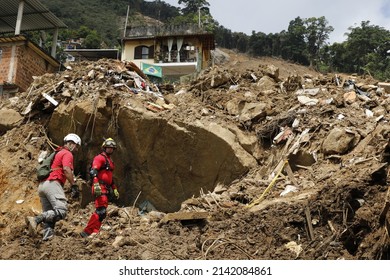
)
(43, 170)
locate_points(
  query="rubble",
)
(277, 163)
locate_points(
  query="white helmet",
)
(73, 137)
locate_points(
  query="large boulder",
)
(157, 160)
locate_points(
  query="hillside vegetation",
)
(107, 18)
(304, 42)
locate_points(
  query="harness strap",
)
(107, 165)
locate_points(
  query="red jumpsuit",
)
(105, 166)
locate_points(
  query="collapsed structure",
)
(269, 167)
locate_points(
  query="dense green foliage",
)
(365, 51)
(305, 41)
(106, 18)
(192, 6)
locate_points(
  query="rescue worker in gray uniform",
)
(51, 192)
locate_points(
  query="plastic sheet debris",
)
(307, 101)
(289, 189)
(369, 113)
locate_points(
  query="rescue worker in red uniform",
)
(51, 192)
(103, 187)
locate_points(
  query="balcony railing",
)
(164, 30)
(185, 56)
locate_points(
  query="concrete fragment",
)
(9, 119)
(385, 86)
(266, 83)
(338, 141)
(272, 71)
(253, 112)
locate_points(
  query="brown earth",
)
(212, 146)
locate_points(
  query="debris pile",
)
(242, 163)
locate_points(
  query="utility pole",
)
(199, 16)
(159, 9)
(127, 16)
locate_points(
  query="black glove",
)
(74, 192)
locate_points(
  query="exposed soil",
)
(338, 154)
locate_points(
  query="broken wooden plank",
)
(133, 67)
(309, 224)
(382, 216)
(184, 216)
(28, 109)
(290, 174)
(331, 226)
(294, 148)
(51, 99)
(342, 82)
(303, 167)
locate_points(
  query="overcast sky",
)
(273, 16)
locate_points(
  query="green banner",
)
(152, 70)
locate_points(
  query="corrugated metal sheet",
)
(35, 16)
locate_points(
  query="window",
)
(143, 52)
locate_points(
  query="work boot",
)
(48, 233)
(83, 234)
(32, 223)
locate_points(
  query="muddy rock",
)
(9, 119)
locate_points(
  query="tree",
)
(159, 10)
(293, 42)
(364, 51)
(334, 57)
(93, 40)
(365, 46)
(276, 44)
(197, 13)
(256, 43)
(316, 34)
(261, 44)
(192, 6)
(223, 37)
(240, 41)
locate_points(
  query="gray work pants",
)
(53, 201)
